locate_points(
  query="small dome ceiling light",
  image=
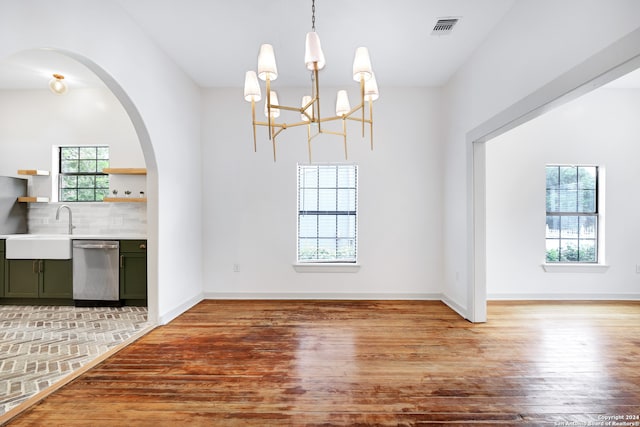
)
(57, 85)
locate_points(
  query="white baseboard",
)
(462, 311)
(165, 318)
(563, 297)
(322, 296)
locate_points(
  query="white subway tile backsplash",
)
(89, 218)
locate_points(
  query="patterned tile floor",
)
(41, 345)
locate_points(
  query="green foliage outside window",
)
(81, 176)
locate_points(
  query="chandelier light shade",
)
(267, 69)
(362, 65)
(309, 110)
(252, 87)
(342, 104)
(313, 52)
(371, 89)
(57, 85)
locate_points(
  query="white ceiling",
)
(216, 41)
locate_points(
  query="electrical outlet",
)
(236, 268)
(637, 268)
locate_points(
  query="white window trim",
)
(575, 268)
(327, 267)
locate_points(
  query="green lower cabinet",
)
(56, 279)
(133, 270)
(26, 278)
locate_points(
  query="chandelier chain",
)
(313, 15)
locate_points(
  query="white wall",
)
(536, 42)
(601, 128)
(166, 118)
(32, 121)
(250, 201)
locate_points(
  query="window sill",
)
(329, 267)
(575, 268)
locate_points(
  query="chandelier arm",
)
(362, 101)
(309, 141)
(344, 129)
(316, 94)
(371, 123)
(253, 116)
(269, 112)
(273, 138)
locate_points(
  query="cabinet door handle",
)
(121, 261)
(40, 266)
(142, 246)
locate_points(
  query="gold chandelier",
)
(310, 107)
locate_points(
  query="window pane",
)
(569, 250)
(309, 200)
(85, 195)
(69, 182)
(69, 166)
(346, 249)
(88, 166)
(101, 193)
(347, 226)
(346, 199)
(586, 200)
(327, 226)
(102, 181)
(553, 177)
(553, 250)
(569, 227)
(553, 201)
(102, 164)
(86, 181)
(69, 195)
(327, 176)
(587, 252)
(103, 153)
(69, 153)
(308, 177)
(307, 249)
(308, 226)
(587, 177)
(588, 227)
(568, 178)
(568, 200)
(346, 177)
(327, 199)
(326, 249)
(87, 152)
(553, 227)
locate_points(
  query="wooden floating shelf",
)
(125, 199)
(33, 199)
(33, 172)
(125, 171)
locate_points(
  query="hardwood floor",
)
(387, 363)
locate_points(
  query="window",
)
(81, 178)
(327, 213)
(572, 214)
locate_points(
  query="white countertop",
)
(85, 236)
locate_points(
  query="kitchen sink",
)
(38, 246)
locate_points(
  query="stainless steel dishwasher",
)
(95, 270)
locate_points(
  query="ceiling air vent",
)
(444, 26)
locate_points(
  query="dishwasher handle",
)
(95, 245)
